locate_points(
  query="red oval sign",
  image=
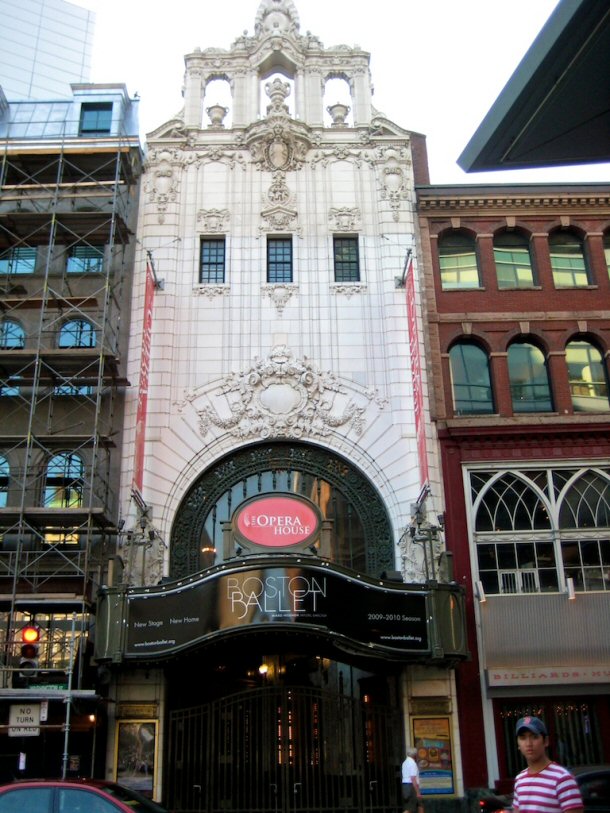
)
(277, 522)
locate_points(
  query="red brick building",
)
(516, 296)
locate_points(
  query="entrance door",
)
(288, 750)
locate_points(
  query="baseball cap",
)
(533, 724)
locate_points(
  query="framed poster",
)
(432, 738)
(136, 755)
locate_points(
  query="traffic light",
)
(28, 658)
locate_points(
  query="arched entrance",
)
(288, 731)
(361, 531)
(268, 720)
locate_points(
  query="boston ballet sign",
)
(277, 521)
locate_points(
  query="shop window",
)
(470, 379)
(458, 262)
(587, 376)
(279, 259)
(346, 258)
(85, 259)
(77, 333)
(95, 118)
(212, 260)
(18, 260)
(568, 260)
(12, 335)
(64, 481)
(513, 260)
(529, 381)
(574, 735)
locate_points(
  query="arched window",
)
(513, 260)
(470, 379)
(77, 333)
(64, 481)
(529, 380)
(568, 260)
(12, 335)
(5, 472)
(458, 261)
(587, 376)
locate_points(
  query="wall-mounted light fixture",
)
(571, 590)
(480, 592)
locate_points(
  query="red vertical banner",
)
(149, 296)
(418, 392)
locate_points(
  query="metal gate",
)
(284, 750)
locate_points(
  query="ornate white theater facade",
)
(284, 622)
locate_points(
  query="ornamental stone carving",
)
(212, 291)
(213, 220)
(284, 397)
(280, 294)
(344, 219)
(163, 179)
(280, 215)
(278, 147)
(348, 289)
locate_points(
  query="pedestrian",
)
(544, 786)
(411, 793)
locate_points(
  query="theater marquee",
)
(359, 613)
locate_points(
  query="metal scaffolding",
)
(68, 207)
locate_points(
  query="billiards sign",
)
(275, 521)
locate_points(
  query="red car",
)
(73, 796)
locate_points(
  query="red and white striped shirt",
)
(551, 790)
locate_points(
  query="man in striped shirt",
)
(544, 786)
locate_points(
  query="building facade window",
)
(77, 333)
(587, 377)
(568, 260)
(18, 260)
(607, 251)
(470, 380)
(213, 259)
(64, 481)
(12, 335)
(73, 390)
(95, 118)
(513, 260)
(346, 259)
(457, 256)
(535, 528)
(279, 259)
(5, 473)
(85, 259)
(529, 381)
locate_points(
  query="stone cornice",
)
(503, 201)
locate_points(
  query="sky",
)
(437, 65)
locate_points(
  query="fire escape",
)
(68, 203)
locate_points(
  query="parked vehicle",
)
(73, 796)
(594, 783)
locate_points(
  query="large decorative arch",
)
(358, 491)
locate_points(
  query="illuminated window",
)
(64, 481)
(568, 260)
(513, 260)
(458, 262)
(587, 375)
